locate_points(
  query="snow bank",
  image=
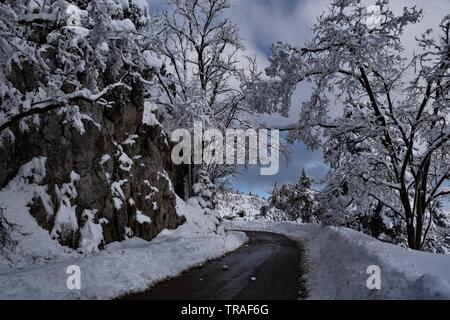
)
(338, 259)
(129, 266)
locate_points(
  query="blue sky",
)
(311, 161)
(263, 22)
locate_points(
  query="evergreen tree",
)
(297, 201)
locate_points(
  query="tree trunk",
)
(411, 235)
(421, 204)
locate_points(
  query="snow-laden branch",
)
(393, 132)
(56, 103)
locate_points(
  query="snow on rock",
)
(104, 159)
(125, 162)
(91, 234)
(74, 116)
(165, 175)
(33, 171)
(153, 191)
(131, 139)
(129, 266)
(66, 219)
(338, 258)
(35, 246)
(117, 192)
(142, 218)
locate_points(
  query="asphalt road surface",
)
(268, 267)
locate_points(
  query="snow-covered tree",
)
(56, 55)
(201, 50)
(391, 143)
(202, 75)
(205, 191)
(297, 201)
(306, 199)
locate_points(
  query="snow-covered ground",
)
(338, 259)
(129, 266)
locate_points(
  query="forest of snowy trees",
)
(389, 150)
(91, 90)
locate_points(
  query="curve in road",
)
(268, 267)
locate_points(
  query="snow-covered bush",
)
(271, 213)
(205, 191)
(297, 201)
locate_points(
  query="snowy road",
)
(268, 267)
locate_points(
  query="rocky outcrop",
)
(109, 163)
